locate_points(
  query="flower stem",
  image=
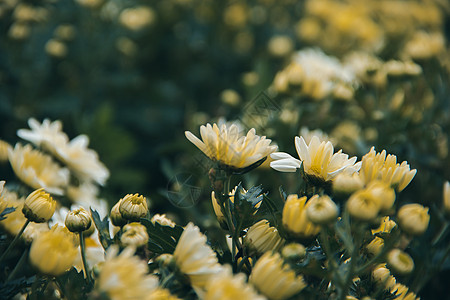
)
(14, 241)
(18, 265)
(83, 258)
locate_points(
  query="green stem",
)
(323, 239)
(18, 265)
(14, 241)
(83, 258)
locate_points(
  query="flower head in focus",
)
(261, 237)
(124, 276)
(318, 159)
(295, 218)
(226, 146)
(39, 206)
(195, 258)
(37, 169)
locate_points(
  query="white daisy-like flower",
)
(75, 154)
(228, 147)
(38, 170)
(195, 258)
(318, 159)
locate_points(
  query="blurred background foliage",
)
(134, 75)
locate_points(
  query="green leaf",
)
(246, 205)
(162, 239)
(6, 211)
(103, 229)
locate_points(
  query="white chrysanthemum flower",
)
(378, 166)
(75, 154)
(37, 169)
(318, 159)
(228, 147)
(125, 276)
(195, 258)
(226, 286)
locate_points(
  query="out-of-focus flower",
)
(413, 218)
(195, 258)
(261, 237)
(226, 146)
(90, 3)
(53, 252)
(295, 219)
(37, 169)
(133, 207)
(124, 276)
(39, 206)
(78, 220)
(2, 201)
(14, 221)
(400, 261)
(161, 294)
(94, 251)
(398, 68)
(321, 210)
(56, 48)
(4, 146)
(383, 277)
(375, 246)
(318, 159)
(65, 32)
(446, 197)
(363, 206)
(346, 184)
(163, 220)
(309, 134)
(280, 45)
(230, 97)
(134, 234)
(403, 293)
(424, 45)
(137, 18)
(293, 251)
(385, 168)
(274, 279)
(75, 154)
(226, 286)
(32, 231)
(386, 226)
(19, 31)
(235, 15)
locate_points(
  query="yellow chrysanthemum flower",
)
(53, 252)
(402, 292)
(318, 159)
(37, 169)
(226, 146)
(39, 206)
(14, 221)
(226, 286)
(378, 166)
(275, 279)
(295, 219)
(124, 276)
(400, 261)
(261, 237)
(195, 258)
(413, 218)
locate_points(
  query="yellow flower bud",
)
(163, 220)
(134, 234)
(346, 184)
(386, 226)
(116, 216)
(400, 261)
(32, 231)
(39, 206)
(4, 146)
(413, 218)
(384, 194)
(402, 292)
(295, 219)
(217, 209)
(78, 220)
(275, 279)
(383, 277)
(293, 251)
(321, 210)
(375, 246)
(363, 206)
(261, 237)
(53, 252)
(133, 207)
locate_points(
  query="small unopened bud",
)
(321, 210)
(39, 206)
(261, 237)
(383, 277)
(78, 220)
(413, 218)
(400, 262)
(346, 184)
(133, 207)
(163, 220)
(363, 206)
(293, 251)
(295, 220)
(134, 234)
(116, 216)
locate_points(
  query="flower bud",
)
(39, 206)
(116, 216)
(78, 220)
(295, 220)
(383, 277)
(375, 246)
(217, 209)
(346, 184)
(400, 262)
(163, 220)
(402, 292)
(363, 206)
(261, 237)
(321, 210)
(447, 197)
(293, 251)
(413, 218)
(384, 194)
(386, 226)
(133, 207)
(134, 234)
